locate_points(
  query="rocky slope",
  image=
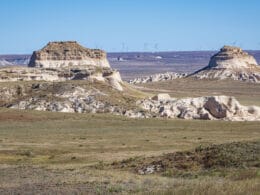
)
(71, 96)
(232, 63)
(158, 77)
(67, 54)
(100, 97)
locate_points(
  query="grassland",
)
(246, 93)
(58, 153)
(44, 152)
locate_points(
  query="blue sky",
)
(130, 25)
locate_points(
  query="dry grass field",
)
(61, 153)
(44, 152)
(246, 93)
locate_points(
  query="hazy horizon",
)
(118, 52)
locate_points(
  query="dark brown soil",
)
(231, 155)
(16, 117)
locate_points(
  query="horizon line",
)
(162, 51)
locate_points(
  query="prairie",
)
(246, 93)
(45, 152)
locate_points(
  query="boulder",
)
(162, 97)
(215, 108)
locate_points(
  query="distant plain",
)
(136, 64)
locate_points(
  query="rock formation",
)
(73, 97)
(206, 108)
(232, 57)
(61, 61)
(101, 92)
(158, 77)
(69, 99)
(67, 54)
(233, 63)
(100, 98)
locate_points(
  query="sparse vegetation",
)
(102, 153)
(191, 87)
(39, 148)
(211, 160)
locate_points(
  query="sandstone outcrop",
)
(67, 54)
(232, 63)
(62, 61)
(232, 57)
(158, 77)
(205, 108)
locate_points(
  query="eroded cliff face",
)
(67, 54)
(62, 61)
(232, 58)
(233, 63)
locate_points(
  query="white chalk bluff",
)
(231, 63)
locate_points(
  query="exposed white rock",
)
(73, 99)
(115, 80)
(208, 108)
(232, 63)
(62, 74)
(158, 77)
(76, 99)
(149, 169)
(162, 97)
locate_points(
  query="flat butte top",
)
(68, 50)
